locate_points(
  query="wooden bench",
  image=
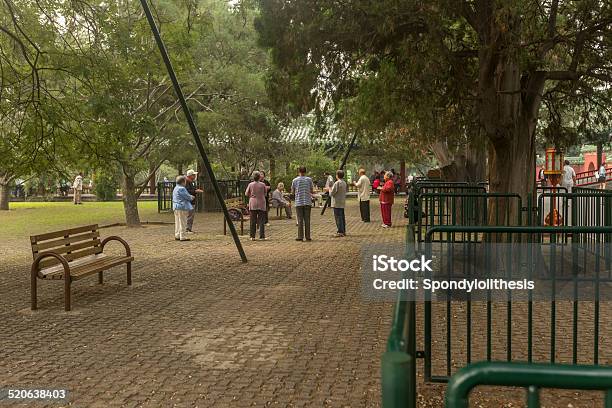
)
(73, 254)
(234, 207)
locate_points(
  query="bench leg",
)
(33, 291)
(129, 273)
(67, 294)
(224, 226)
(100, 278)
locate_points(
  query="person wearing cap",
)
(192, 189)
(181, 205)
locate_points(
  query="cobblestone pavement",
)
(200, 329)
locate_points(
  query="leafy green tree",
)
(469, 68)
(30, 120)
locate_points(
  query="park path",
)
(200, 329)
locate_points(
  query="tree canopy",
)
(461, 76)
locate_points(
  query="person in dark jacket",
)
(192, 188)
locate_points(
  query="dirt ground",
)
(198, 328)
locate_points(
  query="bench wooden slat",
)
(74, 247)
(39, 247)
(56, 234)
(45, 263)
(90, 268)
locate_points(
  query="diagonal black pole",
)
(192, 126)
(344, 160)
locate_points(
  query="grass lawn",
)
(25, 219)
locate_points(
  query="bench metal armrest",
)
(63, 261)
(128, 251)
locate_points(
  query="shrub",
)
(106, 185)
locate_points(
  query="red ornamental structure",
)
(553, 169)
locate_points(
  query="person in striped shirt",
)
(303, 187)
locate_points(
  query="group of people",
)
(377, 179)
(303, 192)
(303, 189)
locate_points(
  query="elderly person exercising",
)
(387, 196)
(279, 200)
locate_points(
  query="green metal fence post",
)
(397, 385)
(608, 401)
(533, 397)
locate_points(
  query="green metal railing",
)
(412, 200)
(399, 361)
(398, 371)
(532, 377)
(568, 266)
(453, 208)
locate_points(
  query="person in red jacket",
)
(387, 195)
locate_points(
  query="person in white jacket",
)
(363, 194)
(77, 187)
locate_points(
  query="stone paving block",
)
(200, 329)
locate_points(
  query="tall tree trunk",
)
(130, 201)
(510, 103)
(4, 196)
(403, 175)
(599, 154)
(467, 165)
(153, 179)
(272, 168)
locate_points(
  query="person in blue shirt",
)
(302, 187)
(181, 204)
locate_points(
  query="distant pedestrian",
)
(77, 187)
(602, 173)
(363, 195)
(257, 192)
(387, 197)
(181, 205)
(192, 188)
(569, 177)
(302, 188)
(338, 202)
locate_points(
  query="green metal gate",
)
(532, 377)
(501, 339)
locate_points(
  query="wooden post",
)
(272, 169)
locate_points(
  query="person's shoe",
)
(299, 239)
(253, 239)
(263, 239)
(337, 235)
(308, 239)
(185, 240)
(177, 239)
(267, 224)
(386, 226)
(190, 232)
